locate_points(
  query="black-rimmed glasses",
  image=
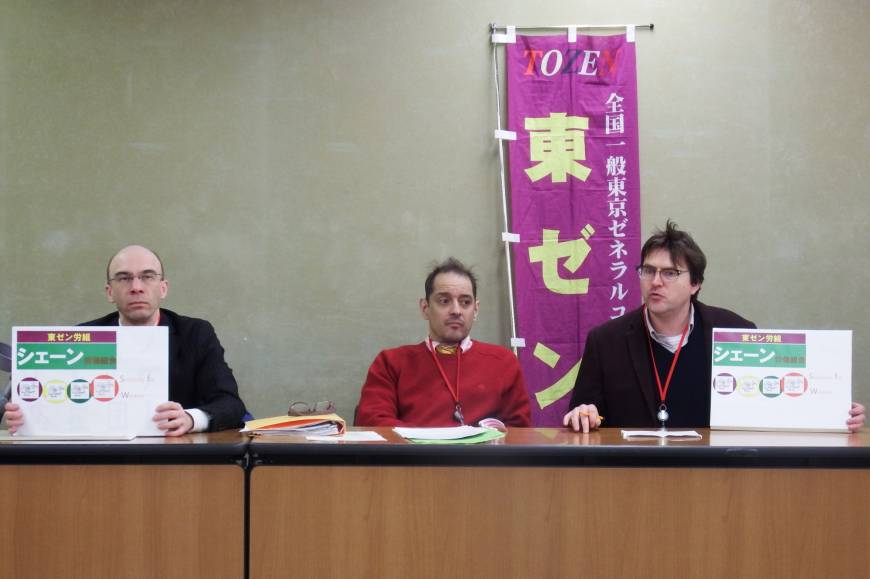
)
(667, 274)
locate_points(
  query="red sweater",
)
(405, 388)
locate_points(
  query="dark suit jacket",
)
(616, 374)
(198, 375)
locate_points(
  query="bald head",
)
(136, 285)
(133, 250)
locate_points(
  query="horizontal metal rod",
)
(495, 27)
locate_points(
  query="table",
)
(550, 503)
(151, 507)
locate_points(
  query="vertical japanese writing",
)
(617, 212)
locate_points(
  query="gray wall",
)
(299, 165)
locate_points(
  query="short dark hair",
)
(450, 265)
(681, 247)
(114, 255)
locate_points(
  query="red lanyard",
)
(454, 390)
(663, 392)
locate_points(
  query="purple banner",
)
(575, 201)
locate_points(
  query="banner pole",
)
(504, 204)
(650, 26)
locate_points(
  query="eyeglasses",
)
(148, 277)
(668, 274)
(305, 409)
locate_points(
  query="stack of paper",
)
(661, 433)
(316, 424)
(350, 436)
(451, 435)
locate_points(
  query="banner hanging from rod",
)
(574, 199)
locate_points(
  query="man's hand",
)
(584, 416)
(14, 417)
(172, 418)
(854, 422)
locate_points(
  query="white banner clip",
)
(629, 32)
(510, 237)
(508, 37)
(505, 135)
(518, 342)
(572, 34)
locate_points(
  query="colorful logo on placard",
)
(748, 386)
(79, 391)
(29, 389)
(54, 391)
(724, 383)
(794, 384)
(105, 388)
(770, 386)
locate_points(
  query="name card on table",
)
(90, 382)
(798, 380)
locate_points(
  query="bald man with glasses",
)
(653, 365)
(202, 389)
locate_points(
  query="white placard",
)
(90, 381)
(799, 380)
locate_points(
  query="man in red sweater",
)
(448, 379)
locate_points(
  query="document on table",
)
(629, 434)
(314, 424)
(486, 436)
(350, 436)
(5, 435)
(451, 435)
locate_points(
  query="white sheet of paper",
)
(449, 433)
(90, 381)
(629, 434)
(797, 380)
(66, 437)
(350, 436)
